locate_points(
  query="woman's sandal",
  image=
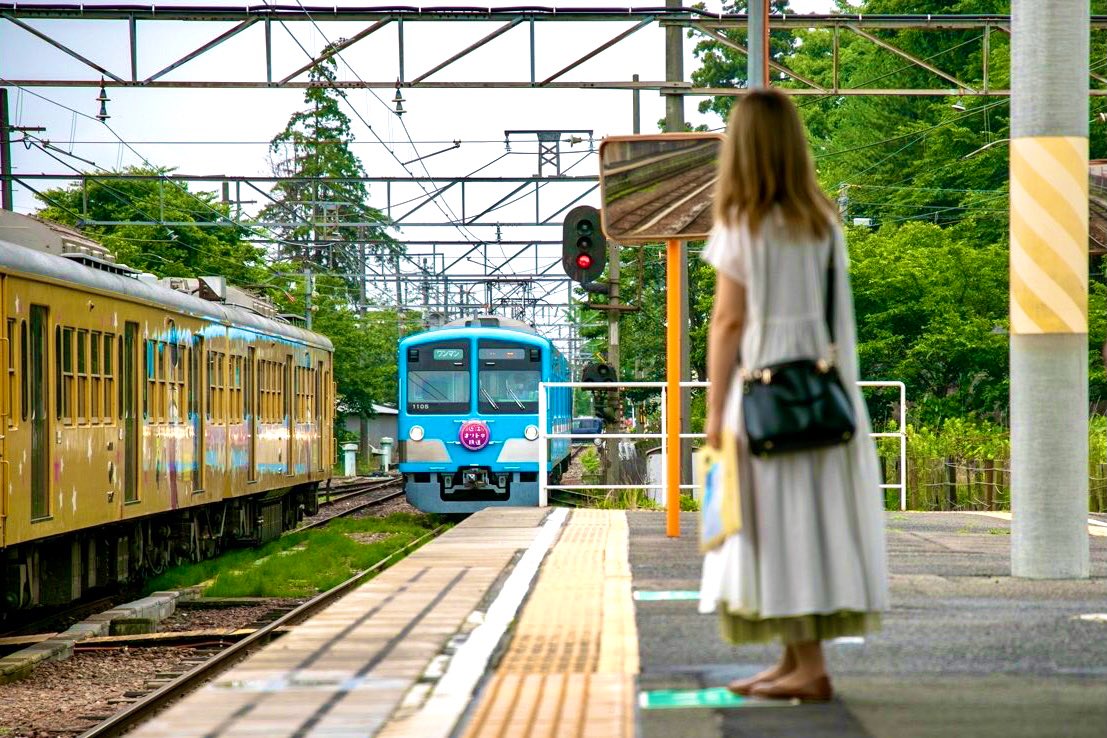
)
(818, 690)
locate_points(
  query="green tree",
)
(208, 243)
(721, 65)
(322, 204)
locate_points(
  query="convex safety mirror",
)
(658, 187)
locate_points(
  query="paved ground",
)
(965, 650)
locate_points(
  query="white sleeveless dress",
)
(809, 562)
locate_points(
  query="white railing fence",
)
(544, 437)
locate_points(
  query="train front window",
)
(438, 379)
(508, 378)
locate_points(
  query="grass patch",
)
(300, 564)
(999, 531)
(689, 504)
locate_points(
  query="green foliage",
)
(315, 144)
(167, 251)
(932, 312)
(300, 564)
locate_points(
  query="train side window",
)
(67, 385)
(95, 379)
(82, 376)
(12, 394)
(159, 382)
(240, 389)
(223, 388)
(148, 365)
(210, 385)
(107, 370)
(174, 384)
(25, 397)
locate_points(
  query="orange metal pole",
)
(673, 351)
(765, 47)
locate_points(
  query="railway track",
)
(341, 501)
(390, 489)
(206, 667)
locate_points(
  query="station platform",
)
(551, 622)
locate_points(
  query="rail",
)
(123, 721)
(544, 436)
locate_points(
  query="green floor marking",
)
(680, 594)
(709, 699)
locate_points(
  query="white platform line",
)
(449, 699)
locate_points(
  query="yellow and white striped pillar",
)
(1049, 288)
(1049, 235)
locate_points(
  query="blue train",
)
(468, 421)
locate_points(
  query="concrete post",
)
(1049, 289)
(349, 451)
(757, 64)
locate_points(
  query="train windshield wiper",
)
(515, 397)
(489, 398)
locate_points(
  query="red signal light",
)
(584, 261)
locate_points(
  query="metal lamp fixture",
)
(103, 99)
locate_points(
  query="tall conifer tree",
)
(327, 221)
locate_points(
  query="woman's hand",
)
(714, 430)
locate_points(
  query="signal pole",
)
(613, 467)
(674, 123)
(1049, 289)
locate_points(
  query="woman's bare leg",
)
(783, 667)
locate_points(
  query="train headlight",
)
(531, 432)
(416, 433)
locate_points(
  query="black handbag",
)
(800, 404)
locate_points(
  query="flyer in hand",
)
(720, 514)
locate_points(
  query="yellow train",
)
(143, 422)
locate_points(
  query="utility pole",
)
(757, 62)
(1049, 289)
(309, 287)
(614, 472)
(5, 153)
(674, 123)
(636, 109)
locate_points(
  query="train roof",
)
(475, 325)
(490, 321)
(123, 282)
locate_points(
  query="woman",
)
(809, 562)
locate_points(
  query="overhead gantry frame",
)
(128, 21)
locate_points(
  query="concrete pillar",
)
(1049, 289)
(757, 60)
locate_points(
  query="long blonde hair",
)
(765, 162)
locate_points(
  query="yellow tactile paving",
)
(570, 668)
(344, 671)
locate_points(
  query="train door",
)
(40, 420)
(252, 413)
(128, 409)
(317, 452)
(289, 420)
(196, 410)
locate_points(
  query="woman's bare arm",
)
(724, 340)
